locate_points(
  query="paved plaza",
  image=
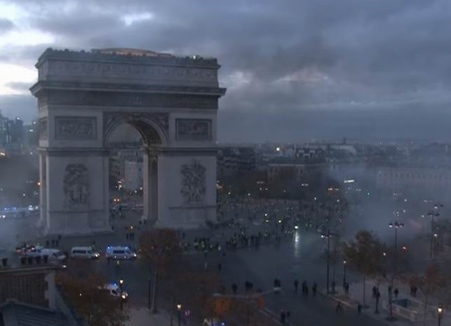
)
(298, 254)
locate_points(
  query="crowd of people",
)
(247, 222)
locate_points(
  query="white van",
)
(120, 252)
(52, 254)
(84, 253)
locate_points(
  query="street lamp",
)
(344, 272)
(328, 235)
(434, 245)
(121, 282)
(179, 312)
(433, 214)
(440, 313)
(396, 225)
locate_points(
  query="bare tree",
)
(365, 254)
(432, 282)
(161, 249)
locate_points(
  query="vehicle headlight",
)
(124, 296)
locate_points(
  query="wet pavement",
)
(297, 256)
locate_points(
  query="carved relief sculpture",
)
(76, 186)
(193, 182)
(76, 128)
(193, 129)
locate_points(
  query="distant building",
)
(433, 182)
(133, 175)
(15, 131)
(310, 153)
(119, 155)
(17, 138)
(232, 160)
(298, 169)
(4, 137)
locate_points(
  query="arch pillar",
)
(74, 191)
(150, 186)
(186, 187)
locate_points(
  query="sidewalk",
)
(142, 317)
(355, 297)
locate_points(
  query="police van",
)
(120, 252)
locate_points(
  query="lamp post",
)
(328, 235)
(440, 313)
(344, 272)
(179, 312)
(396, 225)
(121, 283)
(434, 213)
(434, 245)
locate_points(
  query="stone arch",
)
(153, 127)
(84, 96)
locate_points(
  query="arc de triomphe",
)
(171, 101)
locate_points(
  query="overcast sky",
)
(294, 69)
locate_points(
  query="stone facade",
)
(171, 101)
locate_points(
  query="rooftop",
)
(139, 56)
(14, 313)
(136, 52)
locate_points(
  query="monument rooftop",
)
(117, 55)
(129, 51)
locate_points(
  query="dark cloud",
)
(20, 87)
(25, 55)
(403, 123)
(296, 57)
(24, 106)
(6, 25)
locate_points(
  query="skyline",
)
(316, 69)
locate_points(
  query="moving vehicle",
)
(84, 253)
(115, 291)
(120, 252)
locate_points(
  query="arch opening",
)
(133, 177)
(150, 131)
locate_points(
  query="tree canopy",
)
(365, 253)
(161, 248)
(90, 301)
